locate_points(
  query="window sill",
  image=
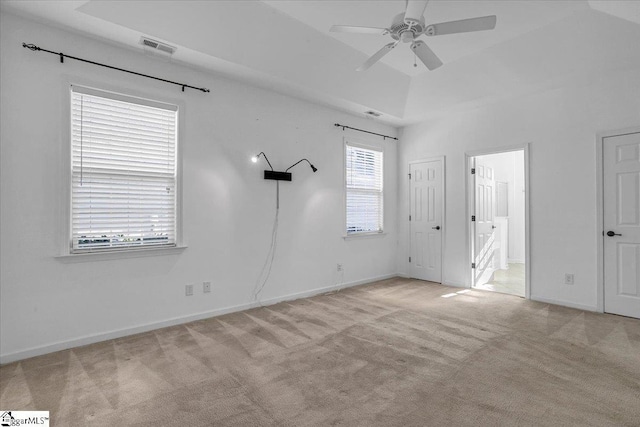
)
(120, 254)
(364, 235)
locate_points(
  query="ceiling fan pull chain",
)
(415, 64)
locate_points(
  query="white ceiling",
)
(286, 46)
(514, 18)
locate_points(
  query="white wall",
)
(509, 167)
(561, 125)
(49, 303)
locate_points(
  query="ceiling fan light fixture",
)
(406, 37)
(408, 26)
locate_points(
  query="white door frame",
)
(470, 192)
(443, 210)
(600, 207)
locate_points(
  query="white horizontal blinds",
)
(123, 172)
(364, 189)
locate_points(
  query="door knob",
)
(611, 234)
(437, 227)
(493, 226)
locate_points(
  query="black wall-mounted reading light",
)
(254, 159)
(276, 175)
(313, 168)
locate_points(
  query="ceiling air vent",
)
(372, 113)
(156, 45)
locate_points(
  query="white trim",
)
(496, 150)
(600, 137)
(563, 303)
(64, 208)
(468, 178)
(367, 145)
(443, 211)
(118, 254)
(470, 202)
(123, 97)
(364, 235)
(454, 284)
(527, 224)
(105, 336)
(363, 143)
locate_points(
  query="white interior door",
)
(622, 224)
(425, 220)
(484, 235)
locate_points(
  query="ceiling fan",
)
(408, 26)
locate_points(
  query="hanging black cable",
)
(62, 56)
(365, 131)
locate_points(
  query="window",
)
(123, 166)
(364, 189)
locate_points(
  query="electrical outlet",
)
(206, 287)
(568, 279)
(339, 267)
(188, 290)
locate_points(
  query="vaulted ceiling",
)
(287, 46)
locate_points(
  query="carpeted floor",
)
(392, 353)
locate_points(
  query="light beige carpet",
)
(393, 353)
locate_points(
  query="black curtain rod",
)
(365, 131)
(62, 56)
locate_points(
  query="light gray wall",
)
(228, 209)
(561, 125)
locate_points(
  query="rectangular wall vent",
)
(156, 45)
(372, 113)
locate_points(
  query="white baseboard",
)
(454, 284)
(564, 303)
(104, 336)
(444, 282)
(515, 261)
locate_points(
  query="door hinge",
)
(409, 259)
(473, 171)
(473, 217)
(409, 217)
(473, 265)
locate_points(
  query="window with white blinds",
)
(124, 180)
(364, 189)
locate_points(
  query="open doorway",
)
(498, 238)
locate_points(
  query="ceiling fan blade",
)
(426, 55)
(415, 10)
(377, 56)
(462, 26)
(360, 30)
